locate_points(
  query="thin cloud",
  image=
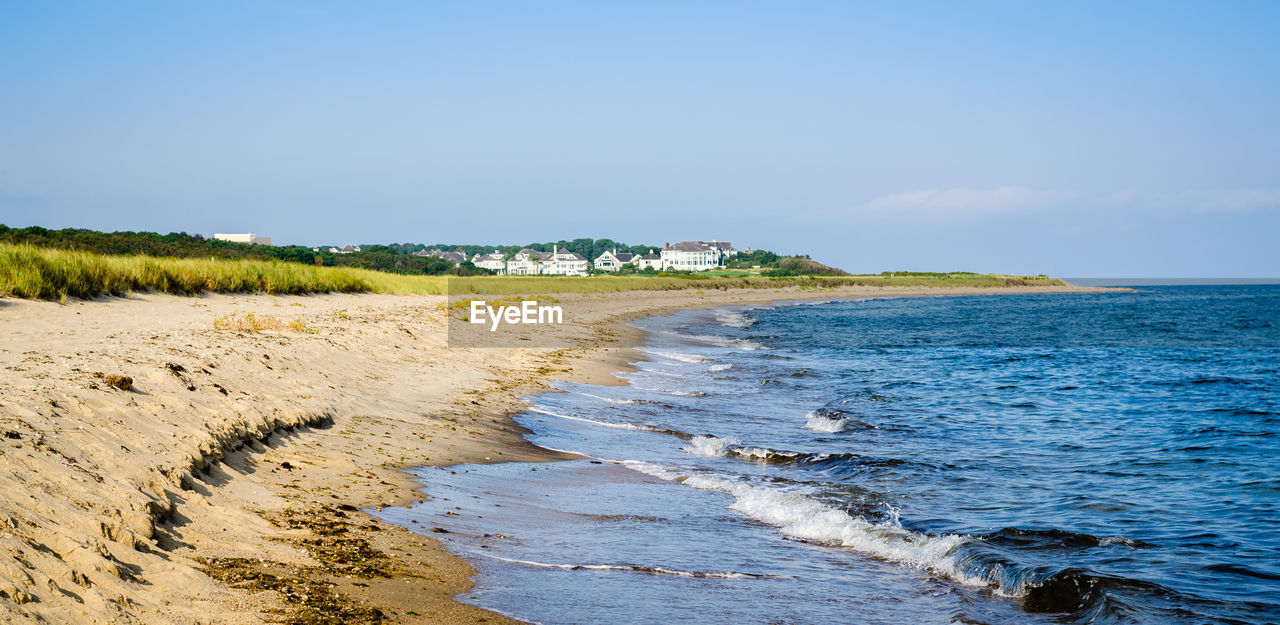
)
(960, 202)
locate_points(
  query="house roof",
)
(456, 258)
(723, 245)
(624, 256)
(651, 256)
(690, 246)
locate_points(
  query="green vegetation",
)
(35, 273)
(183, 245)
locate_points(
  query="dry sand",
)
(224, 486)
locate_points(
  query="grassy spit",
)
(39, 273)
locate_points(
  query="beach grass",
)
(40, 273)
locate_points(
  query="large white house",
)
(696, 255)
(494, 261)
(526, 262)
(564, 263)
(612, 260)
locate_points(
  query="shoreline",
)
(248, 455)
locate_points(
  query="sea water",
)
(1099, 458)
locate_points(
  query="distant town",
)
(682, 256)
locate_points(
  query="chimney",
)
(666, 246)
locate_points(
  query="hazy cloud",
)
(960, 202)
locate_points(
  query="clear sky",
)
(1070, 138)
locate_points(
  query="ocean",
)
(1081, 458)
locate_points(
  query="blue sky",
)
(1072, 138)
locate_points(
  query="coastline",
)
(248, 455)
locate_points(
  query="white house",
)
(693, 256)
(494, 261)
(346, 249)
(526, 262)
(649, 261)
(563, 263)
(247, 237)
(612, 260)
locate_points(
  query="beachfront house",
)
(564, 263)
(612, 260)
(494, 261)
(526, 262)
(649, 261)
(248, 237)
(694, 255)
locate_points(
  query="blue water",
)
(1099, 458)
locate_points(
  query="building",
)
(494, 261)
(563, 263)
(725, 248)
(526, 262)
(456, 257)
(649, 261)
(346, 249)
(693, 256)
(247, 237)
(612, 260)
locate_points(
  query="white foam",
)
(620, 426)
(678, 356)
(760, 453)
(721, 341)
(819, 423)
(655, 570)
(708, 445)
(720, 367)
(610, 400)
(688, 393)
(801, 516)
(734, 319)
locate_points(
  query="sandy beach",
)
(161, 470)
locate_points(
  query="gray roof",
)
(723, 245)
(651, 256)
(624, 256)
(691, 246)
(456, 258)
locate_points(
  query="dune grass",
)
(39, 273)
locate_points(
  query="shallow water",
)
(1008, 458)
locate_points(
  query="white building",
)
(612, 260)
(494, 261)
(649, 261)
(247, 237)
(694, 255)
(526, 262)
(563, 263)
